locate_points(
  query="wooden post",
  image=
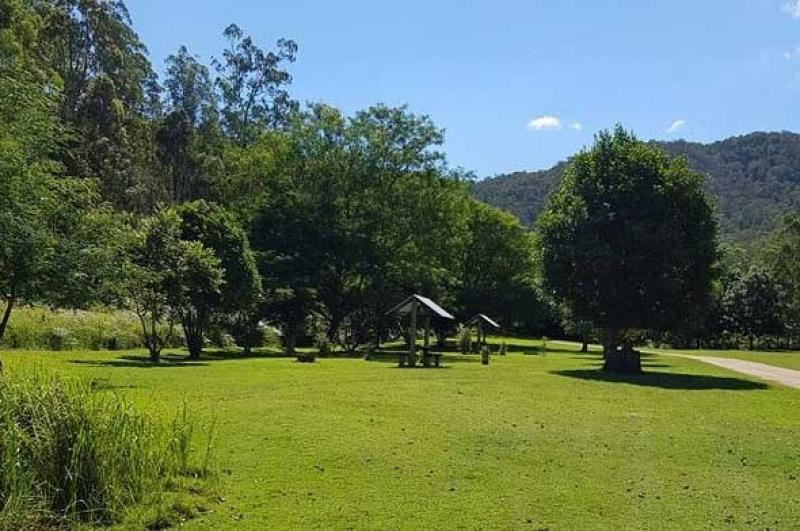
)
(412, 354)
(426, 360)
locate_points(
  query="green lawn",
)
(532, 441)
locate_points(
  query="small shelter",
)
(483, 322)
(417, 308)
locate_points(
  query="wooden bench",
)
(427, 356)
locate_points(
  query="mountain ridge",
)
(755, 178)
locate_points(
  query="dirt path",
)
(787, 377)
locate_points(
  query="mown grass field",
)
(539, 439)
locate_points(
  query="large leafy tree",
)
(628, 241)
(163, 278)
(108, 93)
(364, 212)
(41, 211)
(187, 136)
(498, 271)
(203, 301)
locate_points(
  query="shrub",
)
(306, 357)
(464, 337)
(69, 455)
(503, 348)
(324, 346)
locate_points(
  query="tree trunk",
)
(155, 352)
(289, 340)
(194, 342)
(6, 316)
(194, 335)
(623, 360)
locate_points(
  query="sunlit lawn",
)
(531, 441)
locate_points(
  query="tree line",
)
(212, 201)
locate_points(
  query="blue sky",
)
(523, 84)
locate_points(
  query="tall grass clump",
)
(70, 455)
(39, 328)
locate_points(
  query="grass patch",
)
(70, 455)
(532, 441)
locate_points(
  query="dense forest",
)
(755, 179)
(210, 203)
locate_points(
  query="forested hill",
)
(755, 179)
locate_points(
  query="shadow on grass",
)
(172, 360)
(391, 356)
(142, 362)
(665, 380)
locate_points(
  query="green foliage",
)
(498, 270)
(464, 339)
(252, 86)
(752, 305)
(208, 295)
(782, 257)
(69, 455)
(364, 213)
(628, 239)
(48, 250)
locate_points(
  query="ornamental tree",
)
(628, 241)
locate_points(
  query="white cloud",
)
(792, 54)
(676, 126)
(576, 126)
(792, 8)
(544, 123)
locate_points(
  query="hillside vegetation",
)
(755, 179)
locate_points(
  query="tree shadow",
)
(666, 380)
(391, 356)
(232, 355)
(143, 362)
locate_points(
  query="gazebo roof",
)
(404, 308)
(485, 318)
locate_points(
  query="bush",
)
(464, 339)
(306, 357)
(324, 347)
(69, 455)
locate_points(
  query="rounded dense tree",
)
(628, 241)
(753, 305)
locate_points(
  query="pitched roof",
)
(485, 318)
(404, 307)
